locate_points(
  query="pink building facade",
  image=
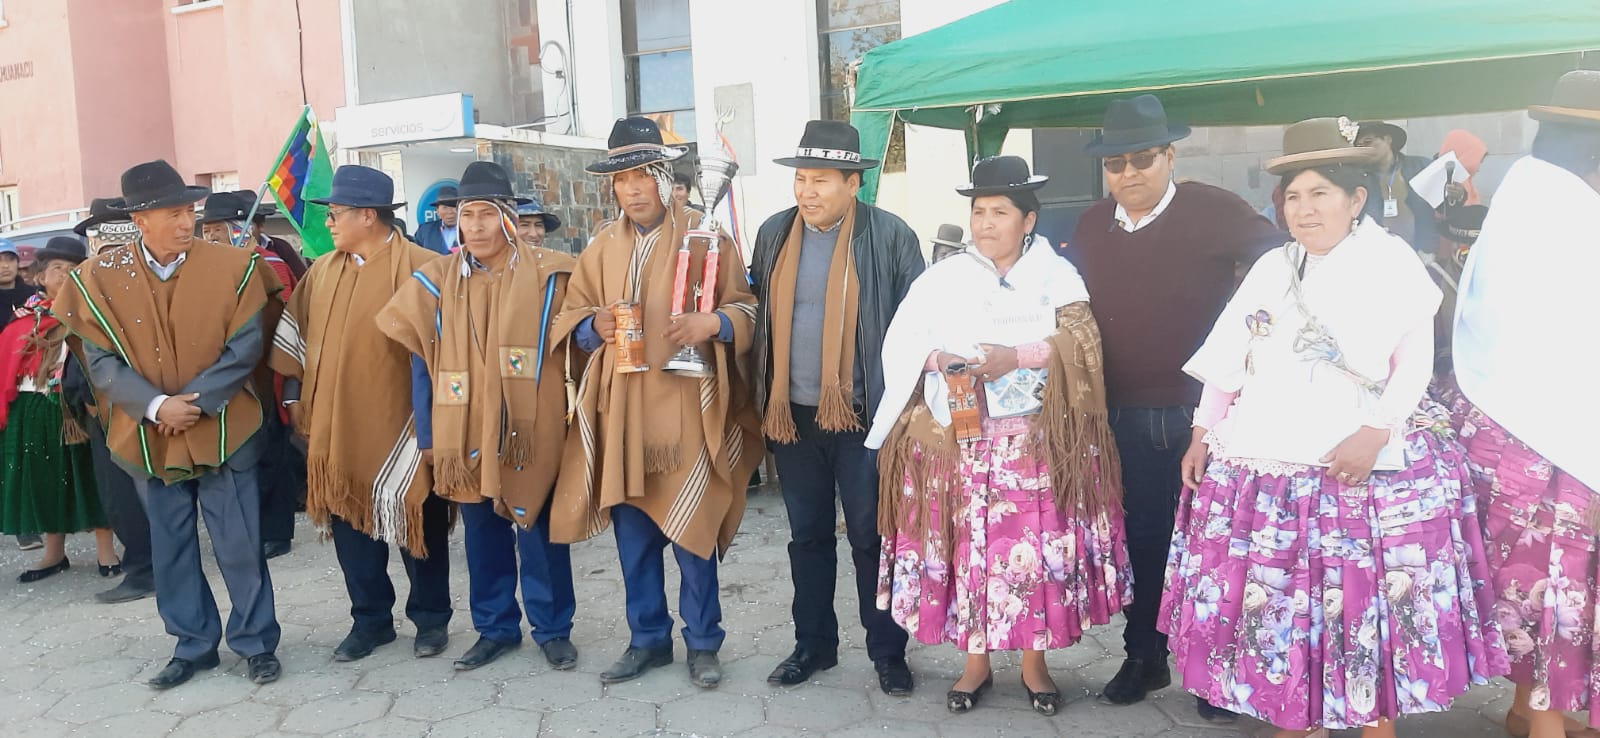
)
(90, 87)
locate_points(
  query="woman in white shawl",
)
(1326, 558)
(1526, 364)
(1002, 521)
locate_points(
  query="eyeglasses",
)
(334, 214)
(1141, 161)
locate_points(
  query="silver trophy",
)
(716, 173)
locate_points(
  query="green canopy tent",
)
(1056, 63)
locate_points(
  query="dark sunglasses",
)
(1141, 161)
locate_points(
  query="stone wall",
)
(556, 175)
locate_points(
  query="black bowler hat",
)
(634, 142)
(62, 248)
(483, 180)
(447, 194)
(828, 144)
(224, 206)
(154, 185)
(1001, 175)
(1576, 100)
(357, 186)
(101, 210)
(1135, 125)
(248, 197)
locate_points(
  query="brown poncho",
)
(677, 448)
(362, 460)
(499, 378)
(169, 332)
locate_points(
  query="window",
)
(846, 30)
(10, 209)
(221, 181)
(659, 63)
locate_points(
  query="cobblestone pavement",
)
(71, 666)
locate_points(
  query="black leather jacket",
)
(888, 257)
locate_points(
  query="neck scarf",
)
(834, 411)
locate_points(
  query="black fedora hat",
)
(154, 185)
(62, 248)
(1576, 100)
(1463, 224)
(357, 186)
(224, 206)
(634, 142)
(532, 207)
(483, 180)
(1001, 175)
(248, 197)
(446, 193)
(1396, 134)
(828, 144)
(1135, 124)
(101, 210)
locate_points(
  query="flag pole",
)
(238, 241)
(265, 182)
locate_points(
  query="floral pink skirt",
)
(1305, 603)
(1019, 575)
(1543, 562)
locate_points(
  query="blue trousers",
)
(365, 563)
(231, 504)
(499, 554)
(640, 545)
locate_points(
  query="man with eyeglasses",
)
(1160, 260)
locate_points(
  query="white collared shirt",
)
(162, 273)
(1128, 223)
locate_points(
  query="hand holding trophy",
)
(716, 173)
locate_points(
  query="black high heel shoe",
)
(111, 570)
(959, 702)
(1044, 703)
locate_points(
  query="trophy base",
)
(688, 363)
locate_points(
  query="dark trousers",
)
(1151, 442)
(282, 477)
(365, 563)
(231, 505)
(640, 545)
(819, 468)
(119, 498)
(499, 555)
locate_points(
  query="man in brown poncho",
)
(348, 390)
(663, 457)
(171, 329)
(492, 410)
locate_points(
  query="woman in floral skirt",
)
(1327, 555)
(999, 505)
(1526, 366)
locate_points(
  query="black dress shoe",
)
(126, 591)
(178, 671)
(894, 676)
(483, 653)
(798, 668)
(264, 668)
(636, 661)
(34, 575)
(274, 549)
(1136, 679)
(705, 670)
(430, 642)
(1212, 713)
(959, 702)
(1044, 703)
(561, 654)
(361, 643)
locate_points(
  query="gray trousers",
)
(231, 504)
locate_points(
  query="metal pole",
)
(251, 216)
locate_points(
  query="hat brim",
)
(1308, 159)
(1555, 114)
(83, 226)
(215, 218)
(323, 201)
(635, 159)
(811, 162)
(455, 202)
(1394, 132)
(551, 222)
(1034, 182)
(44, 255)
(1098, 147)
(191, 194)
